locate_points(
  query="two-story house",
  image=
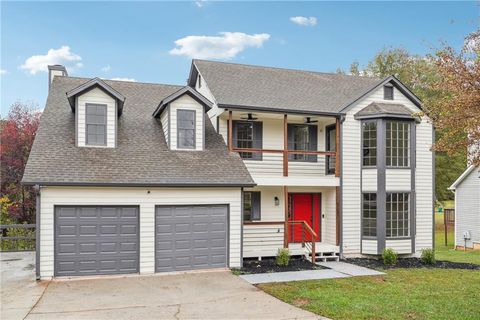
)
(243, 160)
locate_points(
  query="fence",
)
(17, 237)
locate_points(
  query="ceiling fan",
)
(249, 117)
(308, 120)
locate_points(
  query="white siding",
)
(369, 180)
(96, 95)
(401, 246)
(467, 209)
(369, 246)
(398, 179)
(164, 121)
(187, 103)
(51, 196)
(424, 187)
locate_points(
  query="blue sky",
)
(137, 40)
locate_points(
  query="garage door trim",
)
(227, 205)
(56, 207)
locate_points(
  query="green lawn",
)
(401, 294)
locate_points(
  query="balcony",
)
(281, 149)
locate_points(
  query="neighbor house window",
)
(248, 135)
(369, 215)
(398, 140)
(388, 92)
(302, 137)
(186, 129)
(330, 146)
(397, 214)
(96, 124)
(369, 136)
(251, 206)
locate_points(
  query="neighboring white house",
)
(244, 160)
(467, 209)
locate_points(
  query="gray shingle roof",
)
(141, 156)
(379, 108)
(284, 89)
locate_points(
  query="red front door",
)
(304, 207)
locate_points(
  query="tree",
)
(455, 108)
(17, 135)
(419, 73)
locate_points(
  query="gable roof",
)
(95, 83)
(462, 177)
(141, 158)
(266, 88)
(207, 104)
(381, 109)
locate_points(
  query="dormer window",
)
(96, 124)
(186, 129)
(388, 92)
(182, 116)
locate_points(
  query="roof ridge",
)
(138, 82)
(288, 69)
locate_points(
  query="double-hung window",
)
(186, 129)
(369, 215)
(398, 214)
(369, 143)
(251, 206)
(302, 137)
(96, 124)
(248, 135)
(398, 142)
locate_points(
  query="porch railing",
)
(17, 237)
(309, 237)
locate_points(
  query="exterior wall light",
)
(277, 201)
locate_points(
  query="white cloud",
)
(124, 79)
(224, 46)
(61, 56)
(107, 68)
(304, 21)
(200, 3)
(3, 71)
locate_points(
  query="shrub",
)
(428, 256)
(389, 257)
(283, 257)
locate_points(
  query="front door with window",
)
(304, 207)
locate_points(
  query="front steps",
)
(323, 252)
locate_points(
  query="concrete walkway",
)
(335, 270)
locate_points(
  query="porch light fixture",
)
(277, 201)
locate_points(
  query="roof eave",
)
(460, 179)
(207, 104)
(279, 110)
(127, 184)
(95, 83)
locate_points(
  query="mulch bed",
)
(269, 265)
(411, 263)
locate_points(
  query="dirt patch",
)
(269, 265)
(301, 302)
(411, 263)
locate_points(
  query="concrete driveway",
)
(207, 295)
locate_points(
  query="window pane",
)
(96, 123)
(186, 129)
(251, 206)
(186, 138)
(397, 214)
(369, 133)
(244, 138)
(369, 215)
(331, 140)
(398, 142)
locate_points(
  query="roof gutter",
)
(113, 184)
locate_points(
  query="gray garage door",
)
(191, 237)
(96, 240)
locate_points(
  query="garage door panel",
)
(191, 237)
(96, 240)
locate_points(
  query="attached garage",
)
(189, 237)
(96, 240)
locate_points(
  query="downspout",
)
(37, 231)
(342, 120)
(241, 227)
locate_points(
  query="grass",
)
(401, 294)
